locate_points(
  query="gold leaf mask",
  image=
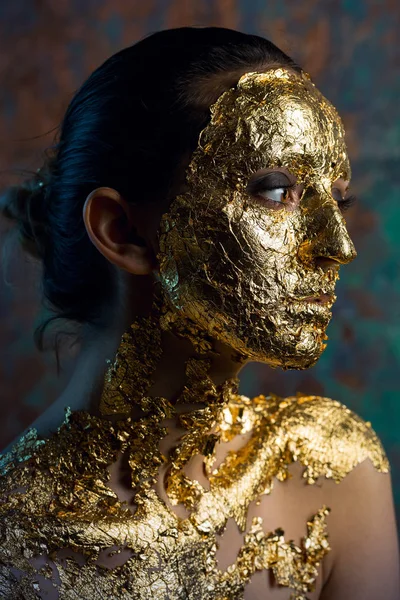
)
(238, 268)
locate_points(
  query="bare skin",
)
(364, 562)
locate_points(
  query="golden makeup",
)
(56, 495)
(231, 269)
(234, 265)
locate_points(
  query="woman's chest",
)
(277, 548)
(225, 533)
(154, 554)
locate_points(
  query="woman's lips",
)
(313, 307)
(324, 299)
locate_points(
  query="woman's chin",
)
(300, 350)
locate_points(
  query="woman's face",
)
(250, 252)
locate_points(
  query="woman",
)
(189, 220)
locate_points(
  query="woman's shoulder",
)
(326, 436)
(330, 438)
(317, 440)
(65, 473)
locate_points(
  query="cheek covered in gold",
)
(244, 273)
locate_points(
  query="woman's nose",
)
(328, 241)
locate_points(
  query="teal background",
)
(351, 50)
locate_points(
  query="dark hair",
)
(144, 106)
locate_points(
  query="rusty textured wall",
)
(48, 47)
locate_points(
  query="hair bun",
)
(24, 205)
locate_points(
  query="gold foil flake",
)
(21, 451)
(138, 354)
(232, 265)
(320, 433)
(198, 423)
(239, 418)
(170, 321)
(201, 386)
(293, 567)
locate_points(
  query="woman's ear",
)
(109, 223)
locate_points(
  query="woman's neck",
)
(85, 388)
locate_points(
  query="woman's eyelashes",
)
(343, 203)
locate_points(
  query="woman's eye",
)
(276, 195)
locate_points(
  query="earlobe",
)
(109, 223)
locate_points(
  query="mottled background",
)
(48, 47)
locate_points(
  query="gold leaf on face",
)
(237, 268)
